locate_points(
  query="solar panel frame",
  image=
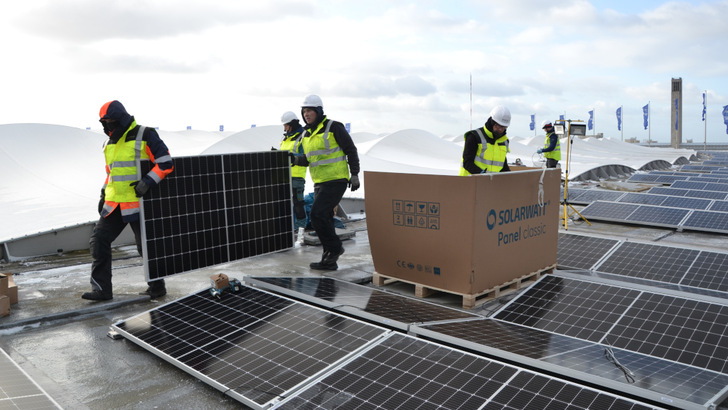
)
(571, 312)
(649, 261)
(394, 311)
(252, 345)
(710, 221)
(444, 378)
(657, 379)
(214, 209)
(581, 251)
(18, 390)
(658, 216)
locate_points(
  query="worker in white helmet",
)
(291, 142)
(333, 162)
(552, 148)
(485, 148)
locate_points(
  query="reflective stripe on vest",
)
(321, 149)
(489, 157)
(122, 160)
(556, 153)
(291, 144)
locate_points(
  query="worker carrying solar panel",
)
(128, 143)
(333, 161)
(291, 142)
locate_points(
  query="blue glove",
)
(539, 151)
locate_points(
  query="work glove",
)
(140, 187)
(354, 183)
(539, 151)
(273, 149)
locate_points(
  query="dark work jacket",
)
(344, 140)
(471, 148)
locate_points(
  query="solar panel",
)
(668, 191)
(18, 390)
(710, 221)
(674, 328)
(655, 379)
(581, 252)
(215, 209)
(658, 216)
(591, 195)
(646, 261)
(687, 203)
(642, 198)
(610, 211)
(689, 185)
(708, 272)
(720, 206)
(361, 301)
(406, 373)
(252, 345)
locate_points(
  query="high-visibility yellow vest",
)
(489, 157)
(291, 144)
(121, 167)
(326, 160)
(556, 153)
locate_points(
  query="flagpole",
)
(471, 101)
(621, 110)
(705, 121)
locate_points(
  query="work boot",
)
(324, 265)
(155, 291)
(96, 295)
(332, 257)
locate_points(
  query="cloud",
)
(89, 21)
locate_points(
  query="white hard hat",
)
(287, 117)
(501, 115)
(312, 101)
(545, 123)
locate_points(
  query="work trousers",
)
(104, 233)
(551, 163)
(327, 196)
(299, 206)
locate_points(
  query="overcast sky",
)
(382, 66)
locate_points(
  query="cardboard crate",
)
(8, 287)
(4, 305)
(465, 235)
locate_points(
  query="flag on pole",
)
(646, 112)
(619, 119)
(703, 106)
(725, 117)
(590, 124)
(533, 122)
(561, 117)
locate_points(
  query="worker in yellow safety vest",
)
(333, 161)
(127, 145)
(291, 142)
(485, 148)
(552, 148)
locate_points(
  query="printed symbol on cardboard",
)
(398, 219)
(433, 208)
(422, 208)
(437, 270)
(490, 219)
(409, 220)
(433, 222)
(409, 206)
(422, 222)
(419, 268)
(397, 205)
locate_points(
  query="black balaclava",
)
(113, 115)
(319, 116)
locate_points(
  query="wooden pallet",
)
(469, 300)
